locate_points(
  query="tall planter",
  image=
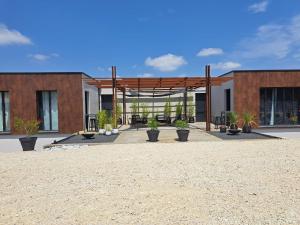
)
(28, 143)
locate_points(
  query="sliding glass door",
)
(279, 106)
(4, 112)
(47, 110)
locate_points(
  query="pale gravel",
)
(228, 182)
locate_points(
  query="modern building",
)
(61, 101)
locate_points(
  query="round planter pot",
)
(101, 131)
(234, 131)
(115, 131)
(153, 135)
(88, 135)
(28, 143)
(183, 135)
(247, 129)
(107, 133)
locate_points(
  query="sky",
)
(149, 38)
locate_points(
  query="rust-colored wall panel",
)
(22, 91)
(248, 84)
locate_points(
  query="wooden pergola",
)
(159, 85)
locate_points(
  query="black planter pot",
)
(183, 135)
(247, 129)
(153, 135)
(223, 129)
(28, 143)
(191, 120)
(234, 131)
(88, 135)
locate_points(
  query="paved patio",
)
(285, 133)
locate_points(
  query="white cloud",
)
(210, 51)
(226, 65)
(42, 57)
(259, 7)
(166, 63)
(273, 40)
(10, 37)
(145, 75)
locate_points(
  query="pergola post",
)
(114, 95)
(139, 81)
(185, 103)
(124, 107)
(208, 97)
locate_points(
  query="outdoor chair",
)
(217, 121)
(92, 124)
(163, 119)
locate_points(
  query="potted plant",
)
(29, 127)
(294, 119)
(178, 111)
(233, 119)
(248, 122)
(145, 113)
(102, 120)
(153, 132)
(191, 112)
(108, 127)
(134, 107)
(182, 130)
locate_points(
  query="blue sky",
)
(149, 38)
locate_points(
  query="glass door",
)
(4, 112)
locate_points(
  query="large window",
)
(47, 110)
(279, 106)
(4, 112)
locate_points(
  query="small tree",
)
(167, 108)
(178, 110)
(191, 109)
(134, 107)
(102, 118)
(119, 111)
(145, 111)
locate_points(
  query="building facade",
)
(61, 101)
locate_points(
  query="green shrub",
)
(102, 118)
(249, 119)
(167, 108)
(181, 124)
(134, 107)
(29, 127)
(233, 117)
(152, 124)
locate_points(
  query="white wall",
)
(218, 98)
(93, 99)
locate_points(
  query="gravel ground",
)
(232, 182)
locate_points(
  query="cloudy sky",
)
(149, 38)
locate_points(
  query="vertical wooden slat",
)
(124, 107)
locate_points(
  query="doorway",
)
(200, 107)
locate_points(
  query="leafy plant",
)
(134, 107)
(181, 124)
(249, 119)
(145, 111)
(29, 127)
(102, 118)
(233, 118)
(152, 124)
(167, 108)
(191, 109)
(178, 109)
(109, 124)
(118, 111)
(294, 119)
